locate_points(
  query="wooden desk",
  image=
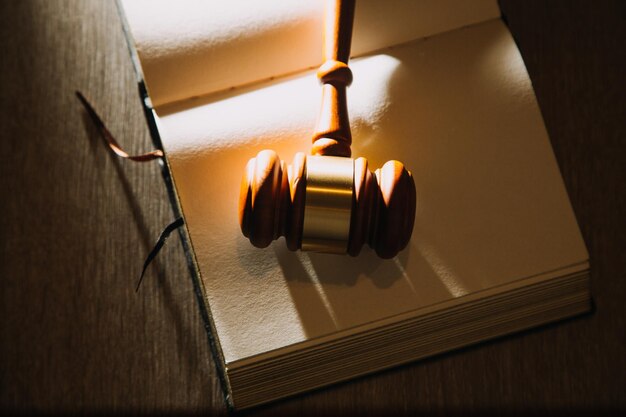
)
(76, 224)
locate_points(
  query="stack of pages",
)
(439, 85)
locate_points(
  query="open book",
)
(439, 85)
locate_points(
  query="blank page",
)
(459, 110)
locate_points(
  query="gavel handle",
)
(338, 20)
(332, 135)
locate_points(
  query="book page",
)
(190, 48)
(458, 109)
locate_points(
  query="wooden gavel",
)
(329, 202)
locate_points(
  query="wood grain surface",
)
(76, 223)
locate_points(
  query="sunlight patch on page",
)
(310, 270)
(278, 113)
(448, 277)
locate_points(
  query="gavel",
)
(328, 201)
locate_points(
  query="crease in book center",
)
(493, 224)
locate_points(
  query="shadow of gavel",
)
(328, 201)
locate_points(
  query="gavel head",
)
(327, 204)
